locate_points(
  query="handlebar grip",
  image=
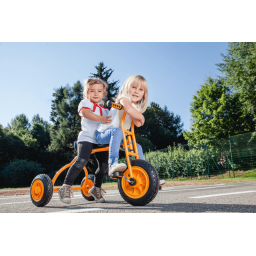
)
(112, 104)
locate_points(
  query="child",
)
(134, 98)
(91, 115)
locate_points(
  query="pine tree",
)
(104, 74)
(66, 121)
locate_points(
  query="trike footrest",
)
(116, 175)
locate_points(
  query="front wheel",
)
(146, 183)
(41, 190)
(87, 187)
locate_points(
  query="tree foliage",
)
(239, 69)
(66, 121)
(216, 112)
(104, 73)
(162, 128)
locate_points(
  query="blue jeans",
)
(114, 137)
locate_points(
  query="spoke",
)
(140, 189)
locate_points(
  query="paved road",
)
(232, 197)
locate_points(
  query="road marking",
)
(191, 189)
(57, 198)
(234, 193)
(80, 210)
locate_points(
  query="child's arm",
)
(136, 116)
(91, 116)
(137, 122)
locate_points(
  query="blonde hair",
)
(95, 80)
(126, 86)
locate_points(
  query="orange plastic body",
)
(128, 138)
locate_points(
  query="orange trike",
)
(138, 184)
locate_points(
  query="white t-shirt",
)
(88, 126)
(116, 116)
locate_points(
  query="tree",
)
(216, 112)
(65, 118)
(161, 128)
(104, 74)
(40, 130)
(239, 68)
(20, 127)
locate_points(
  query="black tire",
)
(88, 198)
(153, 184)
(48, 190)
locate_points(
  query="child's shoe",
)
(116, 167)
(161, 182)
(65, 194)
(97, 193)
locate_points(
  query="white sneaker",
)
(161, 182)
(116, 167)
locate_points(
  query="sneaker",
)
(161, 182)
(116, 167)
(97, 193)
(65, 194)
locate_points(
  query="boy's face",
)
(136, 92)
(95, 92)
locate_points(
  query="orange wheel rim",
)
(37, 190)
(141, 186)
(87, 187)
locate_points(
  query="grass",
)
(239, 175)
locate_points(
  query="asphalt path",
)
(231, 197)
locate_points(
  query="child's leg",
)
(102, 160)
(113, 137)
(141, 155)
(84, 150)
(96, 191)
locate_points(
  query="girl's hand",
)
(105, 119)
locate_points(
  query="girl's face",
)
(136, 92)
(95, 92)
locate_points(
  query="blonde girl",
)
(92, 113)
(134, 98)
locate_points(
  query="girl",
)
(91, 115)
(134, 98)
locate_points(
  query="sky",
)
(29, 72)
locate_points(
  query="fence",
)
(218, 158)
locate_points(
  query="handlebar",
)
(111, 104)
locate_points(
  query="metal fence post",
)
(231, 156)
(228, 167)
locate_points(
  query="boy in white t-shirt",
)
(92, 114)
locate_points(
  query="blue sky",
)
(29, 72)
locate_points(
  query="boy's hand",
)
(106, 119)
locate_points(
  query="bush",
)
(20, 173)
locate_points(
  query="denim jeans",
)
(114, 137)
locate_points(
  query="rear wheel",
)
(41, 190)
(146, 183)
(87, 187)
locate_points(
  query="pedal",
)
(116, 175)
